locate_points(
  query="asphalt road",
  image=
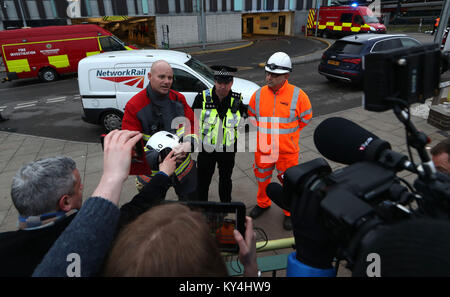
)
(54, 109)
(260, 51)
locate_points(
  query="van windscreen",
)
(346, 47)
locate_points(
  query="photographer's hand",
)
(118, 146)
(169, 164)
(247, 249)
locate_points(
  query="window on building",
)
(119, 7)
(346, 17)
(108, 7)
(248, 5)
(308, 4)
(61, 7)
(101, 8)
(269, 4)
(188, 6)
(33, 10)
(212, 5)
(281, 4)
(299, 5)
(185, 82)
(40, 9)
(224, 5)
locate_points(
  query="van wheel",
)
(111, 120)
(48, 75)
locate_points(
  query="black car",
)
(344, 59)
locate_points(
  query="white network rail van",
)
(107, 81)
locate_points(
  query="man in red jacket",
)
(155, 109)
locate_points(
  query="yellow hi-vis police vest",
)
(210, 122)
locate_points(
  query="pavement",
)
(17, 150)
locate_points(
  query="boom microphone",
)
(343, 141)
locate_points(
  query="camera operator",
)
(365, 211)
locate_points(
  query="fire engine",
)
(46, 52)
(343, 20)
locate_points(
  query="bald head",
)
(161, 77)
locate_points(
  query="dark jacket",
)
(21, 251)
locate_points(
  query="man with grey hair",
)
(47, 193)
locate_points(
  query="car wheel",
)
(111, 120)
(48, 75)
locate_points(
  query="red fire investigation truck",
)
(343, 20)
(46, 52)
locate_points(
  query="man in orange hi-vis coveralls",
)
(280, 111)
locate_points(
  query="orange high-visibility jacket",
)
(279, 117)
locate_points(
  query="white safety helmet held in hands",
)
(279, 63)
(162, 140)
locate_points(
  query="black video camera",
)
(350, 202)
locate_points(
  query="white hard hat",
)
(279, 63)
(162, 140)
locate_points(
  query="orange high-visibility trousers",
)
(263, 173)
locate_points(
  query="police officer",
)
(221, 111)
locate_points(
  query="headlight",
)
(372, 28)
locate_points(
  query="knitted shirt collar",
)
(43, 221)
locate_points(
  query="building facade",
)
(164, 23)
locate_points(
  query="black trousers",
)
(206, 165)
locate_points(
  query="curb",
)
(321, 40)
(221, 50)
